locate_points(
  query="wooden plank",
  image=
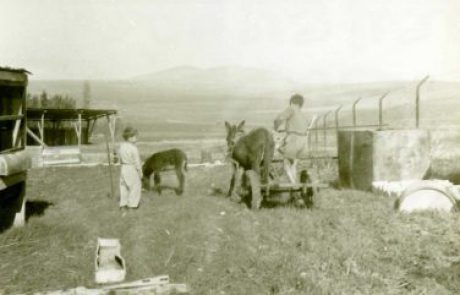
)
(61, 155)
(12, 150)
(11, 117)
(291, 186)
(278, 160)
(36, 138)
(17, 128)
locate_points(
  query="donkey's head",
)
(234, 132)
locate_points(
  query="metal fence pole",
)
(316, 135)
(417, 102)
(354, 111)
(337, 118)
(325, 131)
(381, 110)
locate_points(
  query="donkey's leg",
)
(232, 180)
(157, 182)
(146, 182)
(180, 173)
(256, 161)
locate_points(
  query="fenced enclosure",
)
(375, 116)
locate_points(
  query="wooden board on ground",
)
(61, 155)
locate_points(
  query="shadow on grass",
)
(8, 210)
(36, 208)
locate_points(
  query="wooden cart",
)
(254, 193)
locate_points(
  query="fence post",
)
(316, 136)
(417, 102)
(324, 130)
(354, 111)
(381, 110)
(337, 118)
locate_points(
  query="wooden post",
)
(35, 137)
(111, 121)
(77, 127)
(91, 124)
(79, 130)
(112, 194)
(17, 128)
(24, 119)
(42, 132)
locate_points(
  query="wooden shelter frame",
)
(75, 116)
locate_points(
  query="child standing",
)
(131, 170)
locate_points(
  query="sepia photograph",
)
(229, 147)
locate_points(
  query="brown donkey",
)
(165, 160)
(249, 151)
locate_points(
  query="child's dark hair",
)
(297, 99)
(129, 132)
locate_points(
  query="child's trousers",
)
(130, 186)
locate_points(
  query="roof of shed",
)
(67, 114)
(13, 77)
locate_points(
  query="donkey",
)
(161, 161)
(249, 151)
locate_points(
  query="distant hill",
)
(226, 80)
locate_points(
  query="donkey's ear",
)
(227, 125)
(240, 126)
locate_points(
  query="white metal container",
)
(110, 265)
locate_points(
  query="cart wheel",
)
(253, 181)
(308, 190)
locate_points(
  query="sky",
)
(309, 41)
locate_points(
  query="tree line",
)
(46, 101)
(59, 101)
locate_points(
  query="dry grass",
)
(350, 243)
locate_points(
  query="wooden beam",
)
(16, 128)
(36, 138)
(42, 126)
(79, 130)
(91, 123)
(11, 117)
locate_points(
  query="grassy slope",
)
(351, 243)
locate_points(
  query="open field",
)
(350, 243)
(170, 110)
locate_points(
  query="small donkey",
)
(249, 151)
(165, 160)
